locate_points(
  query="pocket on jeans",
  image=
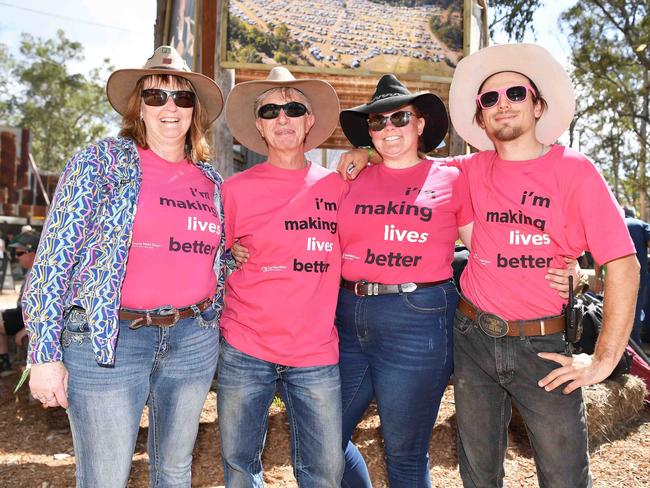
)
(549, 343)
(462, 323)
(426, 300)
(209, 314)
(75, 328)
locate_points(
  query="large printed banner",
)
(356, 37)
(182, 30)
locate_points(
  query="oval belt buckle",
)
(492, 325)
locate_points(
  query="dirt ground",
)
(36, 449)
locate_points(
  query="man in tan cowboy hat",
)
(278, 324)
(534, 203)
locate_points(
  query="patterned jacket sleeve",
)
(222, 265)
(64, 232)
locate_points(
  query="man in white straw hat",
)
(534, 203)
(278, 324)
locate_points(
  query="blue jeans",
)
(169, 369)
(492, 374)
(312, 395)
(396, 349)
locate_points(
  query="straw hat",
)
(530, 60)
(391, 94)
(240, 113)
(164, 61)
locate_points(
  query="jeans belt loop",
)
(522, 330)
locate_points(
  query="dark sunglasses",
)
(272, 110)
(20, 253)
(378, 122)
(516, 94)
(157, 97)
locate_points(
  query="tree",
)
(513, 17)
(64, 110)
(611, 59)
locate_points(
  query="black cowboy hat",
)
(389, 95)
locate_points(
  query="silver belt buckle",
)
(492, 325)
(169, 310)
(357, 284)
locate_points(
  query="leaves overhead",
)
(514, 17)
(610, 69)
(64, 110)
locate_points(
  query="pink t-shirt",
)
(400, 225)
(176, 234)
(280, 305)
(527, 215)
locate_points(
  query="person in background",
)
(11, 320)
(123, 301)
(640, 234)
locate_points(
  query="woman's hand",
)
(352, 162)
(240, 253)
(48, 383)
(559, 278)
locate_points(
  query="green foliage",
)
(64, 111)
(610, 65)
(245, 43)
(449, 30)
(513, 17)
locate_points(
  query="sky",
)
(122, 30)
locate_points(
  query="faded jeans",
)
(396, 349)
(490, 375)
(168, 369)
(312, 395)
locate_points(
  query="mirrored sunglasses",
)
(516, 94)
(377, 122)
(157, 97)
(272, 110)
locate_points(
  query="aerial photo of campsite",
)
(399, 36)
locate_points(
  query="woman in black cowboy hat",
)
(398, 226)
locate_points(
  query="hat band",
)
(170, 68)
(388, 95)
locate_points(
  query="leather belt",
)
(515, 328)
(166, 316)
(363, 288)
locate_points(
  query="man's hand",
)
(240, 253)
(352, 162)
(577, 370)
(558, 278)
(48, 383)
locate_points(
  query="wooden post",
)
(223, 159)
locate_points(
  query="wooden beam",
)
(208, 36)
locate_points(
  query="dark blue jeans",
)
(492, 374)
(396, 349)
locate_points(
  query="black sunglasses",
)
(378, 122)
(157, 97)
(20, 253)
(272, 110)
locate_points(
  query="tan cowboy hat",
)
(530, 60)
(240, 114)
(164, 61)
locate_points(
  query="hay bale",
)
(611, 405)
